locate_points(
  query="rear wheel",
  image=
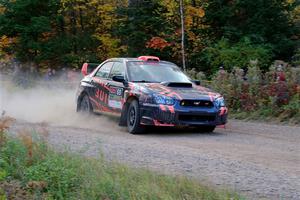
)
(134, 118)
(85, 105)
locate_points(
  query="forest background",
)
(226, 33)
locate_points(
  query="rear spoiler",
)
(88, 68)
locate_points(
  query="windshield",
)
(155, 72)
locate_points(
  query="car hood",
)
(190, 92)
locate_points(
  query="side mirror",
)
(118, 78)
(197, 82)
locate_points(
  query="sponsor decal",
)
(116, 91)
(113, 90)
(114, 104)
(119, 91)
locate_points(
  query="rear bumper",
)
(162, 115)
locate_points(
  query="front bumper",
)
(162, 115)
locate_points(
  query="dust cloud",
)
(52, 102)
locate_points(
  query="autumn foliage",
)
(67, 33)
(157, 43)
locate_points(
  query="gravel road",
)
(260, 161)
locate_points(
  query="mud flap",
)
(123, 121)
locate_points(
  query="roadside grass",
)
(268, 115)
(29, 169)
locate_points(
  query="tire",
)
(208, 129)
(205, 129)
(85, 105)
(134, 118)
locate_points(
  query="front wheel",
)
(133, 118)
(207, 129)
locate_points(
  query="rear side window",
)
(104, 71)
(117, 70)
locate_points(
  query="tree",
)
(29, 21)
(193, 28)
(182, 35)
(105, 17)
(239, 55)
(60, 32)
(263, 21)
(138, 23)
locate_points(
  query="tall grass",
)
(30, 166)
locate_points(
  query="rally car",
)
(147, 91)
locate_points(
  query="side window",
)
(117, 70)
(103, 72)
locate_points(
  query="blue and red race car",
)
(146, 91)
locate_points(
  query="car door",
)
(101, 93)
(116, 89)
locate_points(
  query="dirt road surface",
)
(260, 161)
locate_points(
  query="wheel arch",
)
(125, 109)
(79, 99)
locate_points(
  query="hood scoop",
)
(177, 84)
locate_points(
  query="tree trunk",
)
(182, 34)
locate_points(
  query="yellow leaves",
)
(290, 1)
(297, 11)
(172, 8)
(7, 41)
(109, 46)
(104, 12)
(296, 14)
(2, 9)
(195, 11)
(191, 13)
(47, 35)
(188, 21)
(201, 12)
(4, 41)
(192, 36)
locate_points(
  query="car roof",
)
(123, 59)
(126, 59)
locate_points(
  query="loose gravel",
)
(260, 161)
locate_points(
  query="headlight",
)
(220, 102)
(161, 99)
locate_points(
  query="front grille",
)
(197, 118)
(165, 116)
(197, 103)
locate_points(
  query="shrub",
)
(296, 58)
(261, 94)
(57, 173)
(223, 53)
(13, 158)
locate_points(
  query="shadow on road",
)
(179, 131)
